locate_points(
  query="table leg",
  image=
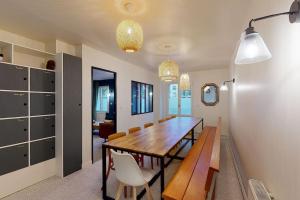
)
(104, 189)
(162, 175)
(193, 136)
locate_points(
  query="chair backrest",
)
(134, 129)
(161, 120)
(116, 135)
(127, 170)
(148, 125)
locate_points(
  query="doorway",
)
(104, 112)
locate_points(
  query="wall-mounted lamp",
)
(224, 87)
(252, 47)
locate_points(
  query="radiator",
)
(258, 191)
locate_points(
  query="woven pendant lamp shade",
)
(168, 71)
(184, 83)
(129, 36)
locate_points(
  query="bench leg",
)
(193, 136)
(162, 175)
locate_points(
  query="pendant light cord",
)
(270, 16)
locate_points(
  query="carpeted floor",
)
(86, 184)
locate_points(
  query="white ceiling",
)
(198, 34)
(102, 75)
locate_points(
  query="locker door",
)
(13, 77)
(42, 80)
(13, 104)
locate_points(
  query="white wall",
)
(125, 73)
(210, 113)
(265, 108)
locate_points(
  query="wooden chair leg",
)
(149, 194)
(151, 162)
(125, 192)
(119, 192)
(134, 193)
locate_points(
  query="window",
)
(173, 99)
(186, 102)
(102, 102)
(141, 98)
(180, 102)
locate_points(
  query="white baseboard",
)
(86, 164)
(20, 179)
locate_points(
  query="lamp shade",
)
(224, 87)
(168, 71)
(129, 36)
(184, 83)
(252, 49)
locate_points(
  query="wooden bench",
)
(194, 177)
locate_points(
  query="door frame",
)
(92, 102)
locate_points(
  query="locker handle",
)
(25, 79)
(52, 148)
(25, 129)
(79, 104)
(52, 125)
(52, 103)
(25, 155)
(25, 104)
(52, 81)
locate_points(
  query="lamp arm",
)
(270, 16)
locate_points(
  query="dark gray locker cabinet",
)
(42, 104)
(42, 80)
(13, 104)
(72, 114)
(13, 158)
(13, 77)
(13, 131)
(42, 127)
(42, 150)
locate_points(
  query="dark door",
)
(72, 119)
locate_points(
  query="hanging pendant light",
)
(168, 71)
(129, 36)
(184, 83)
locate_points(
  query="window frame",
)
(138, 93)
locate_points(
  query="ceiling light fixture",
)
(184, 83)
(224, 87)
(252, 48)
(129, 36)
(168, 71)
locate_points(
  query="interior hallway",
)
(85, 185)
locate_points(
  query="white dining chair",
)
(130, 174)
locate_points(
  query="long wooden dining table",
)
(156, 141)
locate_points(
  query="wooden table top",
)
(158, 139)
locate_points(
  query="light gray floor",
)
(86, 184)
(97, 148)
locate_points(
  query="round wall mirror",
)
(210, 94)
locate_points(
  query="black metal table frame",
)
(161, 172)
